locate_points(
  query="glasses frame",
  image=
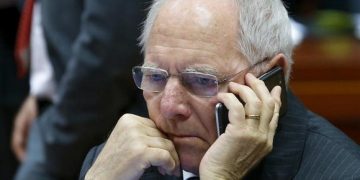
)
(219, 81)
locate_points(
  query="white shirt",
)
(42, 83)
(187, 175)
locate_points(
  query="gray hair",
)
(264, 29)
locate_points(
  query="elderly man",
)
(198, 53)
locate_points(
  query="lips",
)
(184, 137)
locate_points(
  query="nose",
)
(175, 101)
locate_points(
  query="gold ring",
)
(256, 117)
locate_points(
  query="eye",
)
(200, 80)
(204, 81)
(156, 77)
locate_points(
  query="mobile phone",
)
(272, 78)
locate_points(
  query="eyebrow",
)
(202, 69)
(194, 68)
(150, 65)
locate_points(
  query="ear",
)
(278, 60)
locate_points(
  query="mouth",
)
(182, 135)
(184, 138)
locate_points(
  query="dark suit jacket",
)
(92, 45)
(306, 146)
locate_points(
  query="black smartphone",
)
(272, 78)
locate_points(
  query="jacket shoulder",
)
(90, 159)
(328, 153)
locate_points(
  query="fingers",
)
(246, 140)
(19, 141)
(139, 143)
(236, 109)
(253, 104)
(163, 160)
(276, 94)
(25, 117)
(166, 145)
(266, 100)
(18, 146)
(129, 121)
(258, 102)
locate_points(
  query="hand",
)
(24, 118)
(246, 141)
(134, 145)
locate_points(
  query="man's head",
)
(216, 37)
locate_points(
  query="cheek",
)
(152, 103)
(206, 113)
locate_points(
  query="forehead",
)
(203, 18)
(195, 32)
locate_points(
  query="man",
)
(198, 53)
(91, 46)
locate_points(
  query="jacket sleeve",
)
(96, 85)
(89, 160)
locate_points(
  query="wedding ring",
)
(256, 117)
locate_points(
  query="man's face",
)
(197, 35)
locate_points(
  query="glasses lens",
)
(200, 84)
(150, 79)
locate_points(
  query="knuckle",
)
(164, 155)
(269, 147)
(133, 136)
(275, 125)
(278, 100)
(125, 117)
(257, 103)
(165, 143)
(255, 137)
(270, 103)
(127, 122)
(236, 114)
(259, 138)
(262, 138)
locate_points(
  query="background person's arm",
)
(95, 86)
(25, 117)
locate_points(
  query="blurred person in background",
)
(12, 89)
(81, 53)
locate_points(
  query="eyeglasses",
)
(201, 84)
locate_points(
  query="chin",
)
(190, 163)
(190, 157)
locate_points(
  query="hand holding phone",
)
(272, 78)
